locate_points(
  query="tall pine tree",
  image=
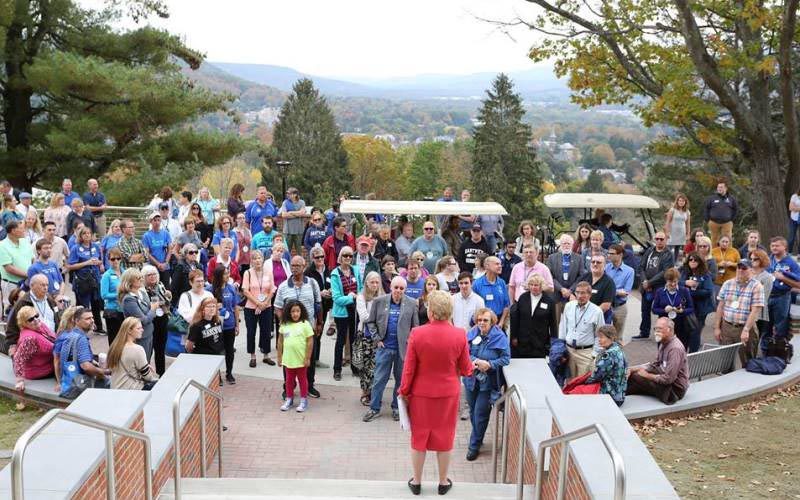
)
(306, 134)
(503, 167)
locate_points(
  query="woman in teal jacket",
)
(108, 292)
(346, 284)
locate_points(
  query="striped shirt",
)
(307, 294)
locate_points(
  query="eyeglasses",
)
(421, 259)
(316, 220)
(33, 318)
(114, 259)
(191, 252)
(483, 320)
(431, 229)
(659, 239)
(317, 257)
(597, 262)
(347, 256)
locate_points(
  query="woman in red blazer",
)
(437, 354)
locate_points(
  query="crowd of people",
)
(283, 271)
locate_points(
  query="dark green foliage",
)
(81, 98)
(307, 135)
(504, 168)
(424, 174)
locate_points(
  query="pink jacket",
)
(34, 356)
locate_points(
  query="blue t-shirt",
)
(94, 200)
(495, 295)
(109, 242)
(80, 253)
(390, 342)
(230, 299)
(69, 197)
(157, 243)
(263, 242)
(789, 268)
(218, 235)
(256, 212)
(414, 290)
(54, 279)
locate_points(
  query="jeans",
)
(778, 317)
(480, 409)
(264, 323)
(793, 227)
(647, 308)
(386, 361)
(345, 332)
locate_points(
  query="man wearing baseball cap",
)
(157, 242)
(364, 259)
(471, 248)
(739, 304)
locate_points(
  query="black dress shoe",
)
(444, 488)
(229, 378)
(337, 376)
(472, 455)
(252, 363)
(269, 361)
(313, 392)
(416, 489)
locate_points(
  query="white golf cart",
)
(589, 202)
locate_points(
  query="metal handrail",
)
(523, 417)
(176, 423)
(599, 429)
(17, 490)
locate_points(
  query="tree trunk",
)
(767, 192)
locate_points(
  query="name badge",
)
(245, 249)
(543, 306)
(227, 315)
(262, 298)
(489, 296)
(57, 286)
(476, 340)
(594, 291)
(429, 255)
(159, 312)
(735, 304)
(566, 276)
(672, 315)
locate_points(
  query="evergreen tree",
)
(307, 135)
(80, 97)
(422, 177)
(503, 168)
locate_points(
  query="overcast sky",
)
(355, 38)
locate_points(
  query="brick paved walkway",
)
(329, 441)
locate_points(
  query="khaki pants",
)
(732, 334)
(618, 320)
(100, 222)
(718, 230)
(580, 361)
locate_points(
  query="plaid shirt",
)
(743, 297)
(131, 247)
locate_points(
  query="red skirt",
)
(433, 422)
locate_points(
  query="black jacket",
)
(384, 248)
(720, 209)
(653, 265)
(180, 280)
(532, 331)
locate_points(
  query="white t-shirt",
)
(795, 216)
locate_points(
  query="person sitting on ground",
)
(666, 378)
(610, 366)
(34, 357)
(127, 359)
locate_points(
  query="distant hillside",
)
(283, 78)
(252, 96)
(538, 83)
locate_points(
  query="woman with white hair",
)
(364, 346)
(436, 355)
(346, 284)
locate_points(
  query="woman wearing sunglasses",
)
(108, 292)
(33, 358)
(188, 262)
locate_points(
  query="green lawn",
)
(14, 422)
(746, 452)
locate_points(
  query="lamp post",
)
(283, 168)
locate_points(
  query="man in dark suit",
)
(566, 267)
(390, 322)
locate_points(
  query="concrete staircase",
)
(322, 489)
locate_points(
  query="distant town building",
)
(267, 116)
(618, 176)
(559, 151)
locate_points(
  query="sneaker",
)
(229, 378)
(640, 337)
(313, 392)
(395, 415)
(370, 416)
(286, 405)
(337, 376)
(303, 406)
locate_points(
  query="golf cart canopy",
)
(390, 207)
(599, 200)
